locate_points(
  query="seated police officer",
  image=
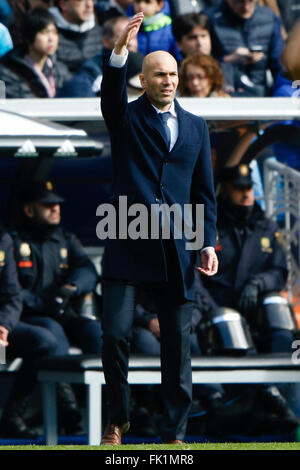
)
(55, 275)
(252, 273)
(10, 296)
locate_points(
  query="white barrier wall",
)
(88, 109)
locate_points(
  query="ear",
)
(28, 210)
(142, 80)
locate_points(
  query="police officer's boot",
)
(69, 416)
(12, 422)
(275, 403)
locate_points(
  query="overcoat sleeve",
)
(113, 93)
(203, 191)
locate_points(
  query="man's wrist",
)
(207, 248)
(118, 60)
(120, 50)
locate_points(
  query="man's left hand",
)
(209, 262)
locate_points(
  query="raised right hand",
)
(128, 32)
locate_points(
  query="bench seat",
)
(87, 369)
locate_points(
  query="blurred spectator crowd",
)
(53, 48)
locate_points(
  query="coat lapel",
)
(152, 118)
(182, 126)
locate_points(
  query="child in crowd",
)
(156, 30)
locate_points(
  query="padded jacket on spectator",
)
(263, 29)
(21, 80)
(47, 263)
(246, 253)
(156, 34)
(76, 42)
(10, 290)
(5, 40)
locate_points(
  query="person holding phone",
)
(248, 37)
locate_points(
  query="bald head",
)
(156, 58)
(159, 78)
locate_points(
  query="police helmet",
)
(226, 333)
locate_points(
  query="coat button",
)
(162, 186)
(158, 200)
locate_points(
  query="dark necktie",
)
(165, 117)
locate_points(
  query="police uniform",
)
(46, 261)
(252, 252)
(247, 251)
(10, 312)
(10, 291)
(48, 257)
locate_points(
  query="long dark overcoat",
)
(147, 172)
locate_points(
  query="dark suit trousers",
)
(175, 315)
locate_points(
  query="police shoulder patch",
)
(64, 252)
(243, 170)
(265, 242)
(25, 250)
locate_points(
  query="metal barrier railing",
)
(282, 199)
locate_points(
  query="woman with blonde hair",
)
(201, 76)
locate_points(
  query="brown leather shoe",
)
(113, 434)
(176, 441)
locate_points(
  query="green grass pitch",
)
(186, 447)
